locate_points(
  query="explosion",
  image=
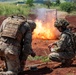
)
(44, 30)
(45, 25)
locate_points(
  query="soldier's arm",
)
(62, 43)
(27, 39)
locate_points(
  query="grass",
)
(70, 74)
(73, 13)
(41, 58)
(7, 9)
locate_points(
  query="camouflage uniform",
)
(27, 48)
(10, 48)
(63, 51)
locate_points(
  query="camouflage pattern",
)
(11, 28)
(61, 22)
(27, 47)
(64, 49)
(10, 48)
(7, 73)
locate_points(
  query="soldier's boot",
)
(22, 65)
(67, 63)
(8, 73)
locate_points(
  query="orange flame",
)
(45, 30)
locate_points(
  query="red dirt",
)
(50, 68)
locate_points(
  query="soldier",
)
(63, 49)
(15, 33)
(26, 43)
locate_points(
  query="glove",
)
(52, 46)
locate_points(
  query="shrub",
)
(57, 2)
(67, 6)
(74, 6)
(9, 9)
(29, 2)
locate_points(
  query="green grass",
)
(70, 74)
(41, 58)
(8, 9)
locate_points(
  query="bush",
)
(57, 2)
(29, 2)
(9, 9)
(68, 7)
(74, 6)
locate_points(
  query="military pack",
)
(73, 39)
(11, 28)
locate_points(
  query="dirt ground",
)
(49, 68)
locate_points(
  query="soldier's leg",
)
(62, 57)
(54, 57)
(23, 61)
(12, 59)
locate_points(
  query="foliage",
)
(29, 2)
(57, 2)
(12, 8)
(74, 6)
(42, 58)
(67, 6)
(8, 9)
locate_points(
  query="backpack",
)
(11, 28)
(73, 39)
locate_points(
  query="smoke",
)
(45, 14)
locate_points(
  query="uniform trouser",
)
(11, 54)
(23, 62)
(26, 51)
(60, 56)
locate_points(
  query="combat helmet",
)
(61, 23)
(32, 24)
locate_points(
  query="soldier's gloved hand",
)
(50, 45)
(33, 54)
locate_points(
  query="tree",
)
(48, 3)
(29, 2)
(57, 2)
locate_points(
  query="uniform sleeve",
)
(27, 39)
(62, 43)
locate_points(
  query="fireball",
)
(44, 30)
(45, 24)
